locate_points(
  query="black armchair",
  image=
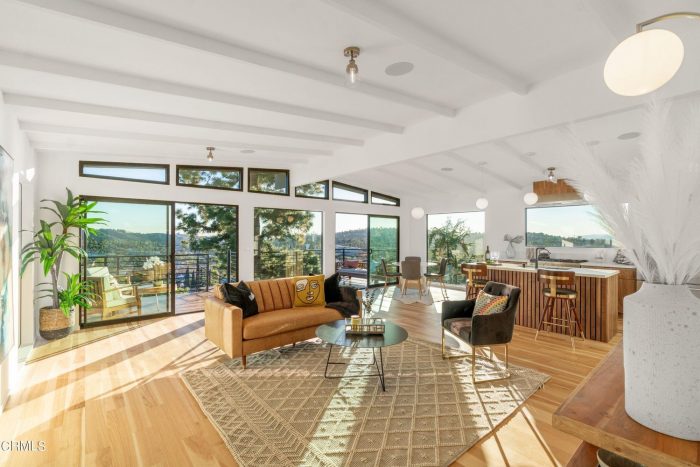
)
(482, 330)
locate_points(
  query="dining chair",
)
(410, 272)
(389, 275)
(438, 276)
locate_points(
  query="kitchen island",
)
(597, 303)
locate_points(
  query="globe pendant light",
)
(417, 213)
(482, 203)
(530, 198)
(647, 60)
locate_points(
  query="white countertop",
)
(583, 272)
(600, 264)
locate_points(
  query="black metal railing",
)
(288, 263)
(192, 272)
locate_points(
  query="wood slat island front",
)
(597, 303)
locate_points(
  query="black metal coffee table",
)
(334, 334)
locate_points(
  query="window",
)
(272, 181)
(343, 192)
(287, 243)
(312, 190)
(378, 198)
(146, 173)
(457, 236)
(221, 178)
(566, 226)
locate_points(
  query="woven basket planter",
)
(53, 324)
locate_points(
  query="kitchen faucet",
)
(537, 255)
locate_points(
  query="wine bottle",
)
(487, 255)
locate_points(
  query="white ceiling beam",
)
(153, 29)
(498, 177)
(389, 19)
(419, 186)
(58, 149)
(614, 16)
(100, 75)
(511, 151)
(120, 112)
(33, 127)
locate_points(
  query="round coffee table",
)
(334, 334)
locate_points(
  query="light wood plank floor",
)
(120, 402)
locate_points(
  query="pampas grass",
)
(653, 206)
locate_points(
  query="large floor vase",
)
(662, 359)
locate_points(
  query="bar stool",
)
(477, 277)
(559, 286)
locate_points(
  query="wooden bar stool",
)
(559, 285)
(477, 277)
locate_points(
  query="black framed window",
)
(220, 178)
(126, 171)
(378, 198)
(575, 225)
(270, 181)
(343, 192)
(318, 190)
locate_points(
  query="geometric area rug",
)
(281, 411)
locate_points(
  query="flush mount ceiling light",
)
(447, 169)
(530, 154)
(482, 203)
(210, 156)
(351, 70)
(646, 60)
(550, 175)
(417, 213)
(247, 151)
(399, 68)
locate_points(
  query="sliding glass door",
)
(153, 258)
(206, 246)
(361, 242)
(129, 261)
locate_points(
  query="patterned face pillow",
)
(487, 304)
(308, 291)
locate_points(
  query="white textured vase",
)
(661, 339)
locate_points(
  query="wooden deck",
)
(152, 305)
(120, 401)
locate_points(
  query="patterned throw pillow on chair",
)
(487, 304)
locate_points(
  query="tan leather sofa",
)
(277, 323)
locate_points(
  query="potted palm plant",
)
(49, 246)
(652, 206)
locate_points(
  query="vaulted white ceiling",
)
(491, 82)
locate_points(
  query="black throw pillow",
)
(242, 297)
(331, 289)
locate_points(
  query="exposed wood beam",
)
(32, 127)
(506, 147)
(120, 112)
(406, 28)
(153, 29)
(74, 70)
(474, 166)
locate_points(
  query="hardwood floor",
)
(119, 401)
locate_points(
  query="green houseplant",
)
(49, 246)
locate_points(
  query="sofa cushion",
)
(269, 324)
(273, 294)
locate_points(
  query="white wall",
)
(23, 307)
(504, 215)
(59, 172)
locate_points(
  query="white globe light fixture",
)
(530, 198)
(647, 60)
(417, 213)
(482, 203)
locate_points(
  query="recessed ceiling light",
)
(247, 151)
(529, 154)
(630, 135)
(593, 142)
(447, 169)
(399, 68)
